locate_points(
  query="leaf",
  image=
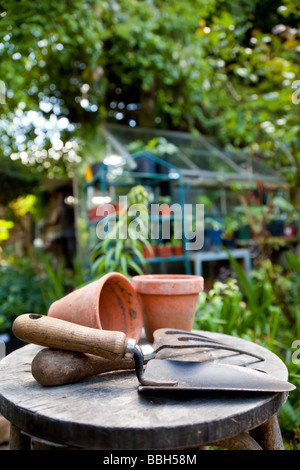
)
(245, 283)
(294, 262)
(135, 267)
(98, 266)
(108, 258)
(275, 321)
(118, 250)
(123, 262)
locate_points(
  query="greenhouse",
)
(201, 160)
(210, 174)
(192, 170)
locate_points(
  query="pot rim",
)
(168, 284)
(89, 298)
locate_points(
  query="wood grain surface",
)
(106, 411)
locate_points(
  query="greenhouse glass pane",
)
(193, 153)
(197, 156)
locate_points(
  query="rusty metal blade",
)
(209, 376)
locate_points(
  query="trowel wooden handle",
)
(52, 367)
(60, 334)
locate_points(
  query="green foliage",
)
(222, 68)
(247, 313)
(263, 308)
(159, 146)
(32, 283)
(116, 252)
(221, 309)
(15, 296)
(47, 44)
(5, 227)
(54, 279)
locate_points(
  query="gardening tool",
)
(159, 373)
(51, 367)
(58, 367)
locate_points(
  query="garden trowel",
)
(170, 374)
(52, 367)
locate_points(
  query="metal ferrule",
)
(129, 349)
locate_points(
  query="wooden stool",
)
(107, 411)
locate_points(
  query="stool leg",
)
(268, 435)
(241, 442)
(18, 440)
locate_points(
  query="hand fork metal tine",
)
(206, 342)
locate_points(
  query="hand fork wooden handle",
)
(60, 334)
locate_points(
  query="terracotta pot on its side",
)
(110, 303)
(168, 301)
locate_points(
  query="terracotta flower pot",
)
(177, 250)
(168, 301)
(110, 303)
(149, 253)
(164, 210)
(164, 251)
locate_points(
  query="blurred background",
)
(186, 102)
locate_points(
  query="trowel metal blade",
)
(210, 376)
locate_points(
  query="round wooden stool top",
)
(108, 412)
